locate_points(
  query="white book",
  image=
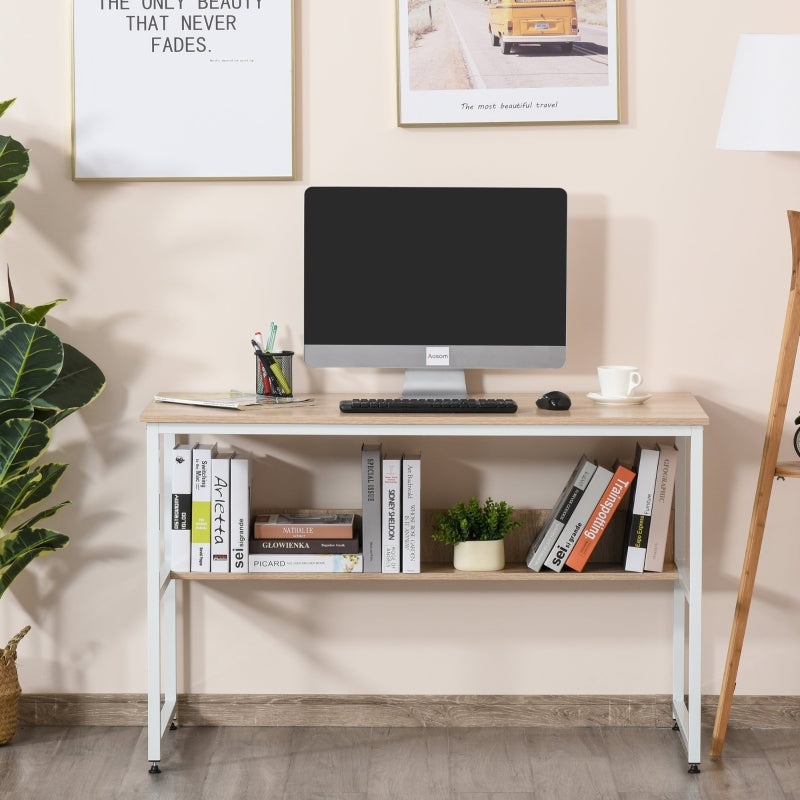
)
(560, 513)
(662, 508)
(371, 506)
(240, 514)
(390, 515)
(201, 507)
(641, 508)
(181, 500)
(307, 562)
(411, 537)
(221, 512)
(577, 522)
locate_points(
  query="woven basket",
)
(9, 688)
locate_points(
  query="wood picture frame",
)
(182, 92)
(481, 62)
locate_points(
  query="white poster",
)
(183, 89)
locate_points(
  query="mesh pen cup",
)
(274, 373)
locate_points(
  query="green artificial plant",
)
(471, 522)
(42, 381)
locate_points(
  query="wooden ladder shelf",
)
(770, 470)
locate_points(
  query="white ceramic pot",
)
(480, 556)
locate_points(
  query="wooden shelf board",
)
(445, 572)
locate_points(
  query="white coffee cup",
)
(618, 381)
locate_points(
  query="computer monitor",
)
(435, 281)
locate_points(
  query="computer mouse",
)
(554, 401)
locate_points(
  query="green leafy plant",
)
(472, 522)
(42, 381)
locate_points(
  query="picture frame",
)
(490, 62)
(179, 93)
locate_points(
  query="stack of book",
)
(651, 508)
(306, 541)
(210, 509)
(391, 498)
(587, 503)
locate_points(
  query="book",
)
(201, 507)
(411, 525)
(662, 508)
(371, 506)
(304, 525)
(240, 513)
(181, 499)
(598, 483)
(221, 511)
(309, 562)
(560, 513)
(598, 521)
(302, 546)
(645, 464)
(231, 399)
(390, 514)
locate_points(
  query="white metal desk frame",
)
(687, 592)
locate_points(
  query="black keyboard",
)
(403, 405)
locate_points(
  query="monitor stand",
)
(435, 383)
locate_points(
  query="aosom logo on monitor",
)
(437, 355)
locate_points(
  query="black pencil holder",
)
(267, 381)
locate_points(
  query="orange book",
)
(600, 517)
(304, 525)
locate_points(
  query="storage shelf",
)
(677, 417)
(445, 572)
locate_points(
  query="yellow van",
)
(527, 22)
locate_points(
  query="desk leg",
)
(158, 581)
(688, 594)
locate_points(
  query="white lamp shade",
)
(762, 109)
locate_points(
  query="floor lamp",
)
(762, 113)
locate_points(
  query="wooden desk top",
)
(669, 409)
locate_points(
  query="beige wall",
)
(680, 262)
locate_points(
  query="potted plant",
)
(477, 533)
(42, 381)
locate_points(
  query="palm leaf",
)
(22, 441)
(30, 360)
(14, 163)
(20, 547)
(15, 408)
(79, 382)
(9, 315)
(27, 489)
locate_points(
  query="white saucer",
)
(610, 400)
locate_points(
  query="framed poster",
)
(479, 62)
(183, 89)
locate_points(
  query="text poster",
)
(183, 89)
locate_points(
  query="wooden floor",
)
(346, 763)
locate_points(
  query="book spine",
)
(662, 508)
(240, 514)
(371, 506)
(221, 512)
(600, 517)
(641, 508)
(561, 513)
(275, 530)
(412, 513)
(262, 547)
(201, 507)
(390, 515)
(557, 557)
(325, 562)
(181, 500)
